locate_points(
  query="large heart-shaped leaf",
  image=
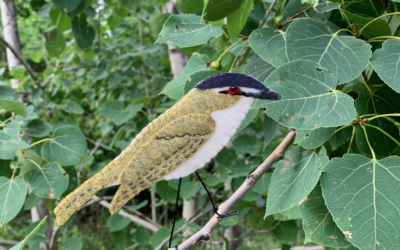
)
(386, 62)
(310, 139)
(49, 181)
(362, 196)
(55, 42)
(187, 31)
(309, 99)
(38, 128)
(115, 111)
(12, 197)
(269, 44)
(294, 178)
(344, 56)
(258, 68)
(67, 146)
(175, 88)
(318, 223)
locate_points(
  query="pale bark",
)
(10, 29)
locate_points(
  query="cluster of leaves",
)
(335, 64)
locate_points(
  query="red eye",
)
(233, 90)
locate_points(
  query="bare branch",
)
(137, 220)
(206, 232)
(20, 59)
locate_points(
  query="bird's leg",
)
(231, 213)
(176, 208)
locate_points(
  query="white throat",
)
(227, 121)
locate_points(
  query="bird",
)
(177, 143)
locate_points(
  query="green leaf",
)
(138, 206)
(216, 10)
(262, 184)
(157, 20)
(48, 181)
(229, 221)
(325, 6)
(241, 168)
(189, 7)
(189, 189)
(294, 178)
(309, 100)
(21, 244)
(339, 138)
(250, 115)
(84, 33)
(286, 232)
(142, 236)
(386, 62)
(175, 88)
(13, 194)
(290, 214)
(318, 223)
(67, 146)
(384, 100)
(159, 236)
(258, 68)
(376, 28)
(38, 128)
(73, 243)
(67, 5)
(220, 176)
(361, 195)
(13, 107)
(226, 157)
(310, 139)
(55, 42)
(196, 78)
(60, 19)
(187, 31)
(246, 144)
(7, 93)
(115, 111)
(31, 201)
(165, 191)
(269, 44)
(237, 19)
(270, 128)
(117, 222)
(344, 56)
(73, 107)
(9, 146)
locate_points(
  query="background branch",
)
(206, 232)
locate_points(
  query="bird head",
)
(238, 84)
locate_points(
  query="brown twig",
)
(259, 26)
(20, 59)
(278, 26)
(206, 232)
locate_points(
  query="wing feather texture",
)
(158, 150)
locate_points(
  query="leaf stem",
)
(34, 163)
(377, 39)
(389, 14)
(377, 116)
(383, 132)
(369, 145)
(291, 18)
(44, 140)
(13, 174)
(5, 121)
(352, 138)
(345, 17)
(233, 63)
(345, 126)
(227, 50)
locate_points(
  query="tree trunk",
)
(10, 27)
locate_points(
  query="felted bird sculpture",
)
(177, 143)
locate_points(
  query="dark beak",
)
(265, 95)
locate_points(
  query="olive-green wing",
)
(174, 144)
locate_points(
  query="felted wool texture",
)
(195, 102)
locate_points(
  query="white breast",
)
(227, 121)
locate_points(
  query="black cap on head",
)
(238, 80)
